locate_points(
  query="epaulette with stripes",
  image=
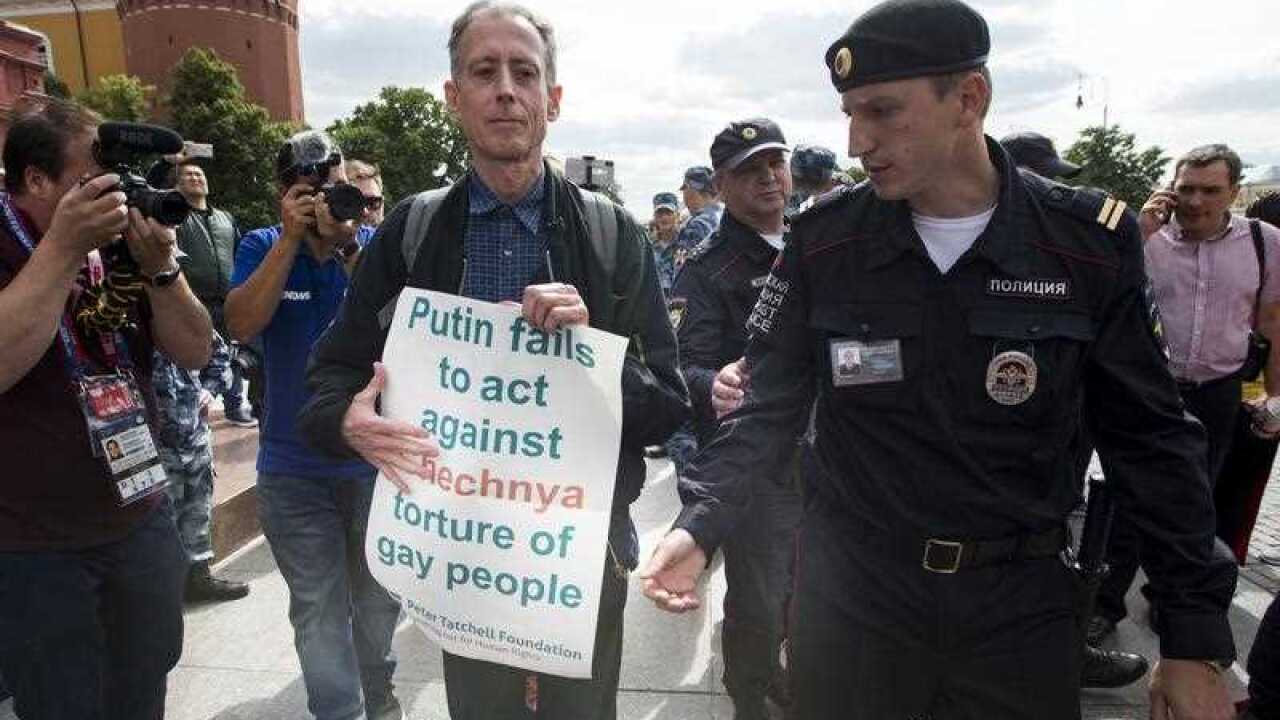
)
(1085, 203)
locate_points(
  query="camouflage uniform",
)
(665, 260)
(185, 442)
(696, 229)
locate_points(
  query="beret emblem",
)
(843, 64)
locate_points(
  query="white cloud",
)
(647, 84)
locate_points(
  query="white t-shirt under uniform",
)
(946, 239)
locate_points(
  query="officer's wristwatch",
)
(164, 278)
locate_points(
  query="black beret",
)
(901, 39)
(742, 139)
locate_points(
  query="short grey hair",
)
(508, 9)
(1206, 155)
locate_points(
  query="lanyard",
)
(115, 345)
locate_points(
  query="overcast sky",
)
(648, 84)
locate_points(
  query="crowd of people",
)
(880, 399)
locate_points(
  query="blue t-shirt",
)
(308, 304)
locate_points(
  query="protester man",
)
(288, 283)
(368, 178)
(982, 311)
(207, 240)
(720, 283)
(1102, 668)
(90, 562)
(1216, 278)
(666, 211)
(812, 175)
(528, 236)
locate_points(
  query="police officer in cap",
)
(954, 320)
(719, 285)
(1102, 668)
(1036, 153)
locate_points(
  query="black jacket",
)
(718, 286)
(929, 449)
(626, 302)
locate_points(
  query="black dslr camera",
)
(107, 307)
(307, 158)
(119, 145)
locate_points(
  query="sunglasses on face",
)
(372, 202)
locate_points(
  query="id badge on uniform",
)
(119, 435)
(858, 362)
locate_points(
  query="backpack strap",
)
(424, 207)
(602, 228)
(1259, 249)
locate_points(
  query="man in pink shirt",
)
(1215, 278)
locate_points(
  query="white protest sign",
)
(498, 554)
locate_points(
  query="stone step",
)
(235, 495)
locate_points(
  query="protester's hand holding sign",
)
(552, 306)
(670, 577)
(392, 446)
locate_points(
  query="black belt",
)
(947, 556)
(1190, 385)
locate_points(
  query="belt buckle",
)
(953, 550)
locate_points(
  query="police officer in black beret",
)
(716, 289)
(954, 319)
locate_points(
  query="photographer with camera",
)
(288, 282)
(90, 560)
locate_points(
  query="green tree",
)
(1113, 163)
(208, 104)
(55, 87)
(119, 97)
(410, 135)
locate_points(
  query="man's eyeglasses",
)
(372, 202)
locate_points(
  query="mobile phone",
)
(1173, 203)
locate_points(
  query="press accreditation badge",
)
(119, 435)
(857, 362)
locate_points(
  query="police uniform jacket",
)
(718, 284)
(925, 449)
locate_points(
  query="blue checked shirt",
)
(505, 245)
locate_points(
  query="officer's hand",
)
(392, 446)
(670, 578)
(150, 243)
(1156, 212)
(88, 216)
(297, 212)
(1188, 690)
(729, 387)
(552, 306)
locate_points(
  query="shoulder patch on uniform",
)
(825, 202)
(705, 246)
